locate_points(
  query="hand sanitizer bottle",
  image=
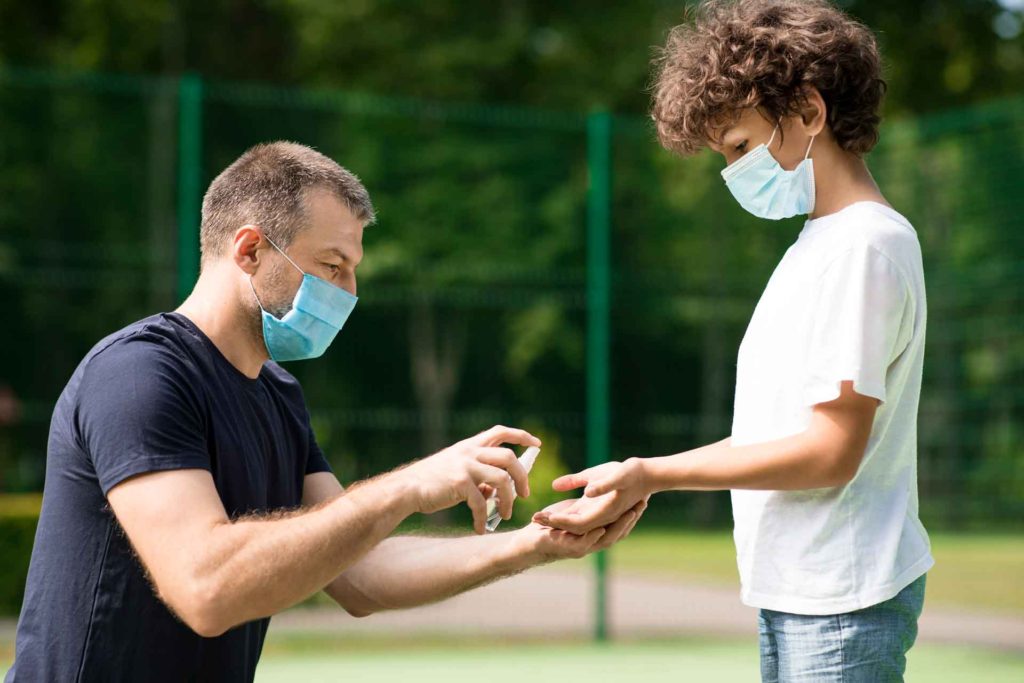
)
(527, 459)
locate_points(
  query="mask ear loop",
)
(258, 302)
(807, 154)
(294, 265)
(772, 138)
(284, 254)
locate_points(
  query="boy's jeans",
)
(866, 646)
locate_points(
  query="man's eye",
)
(333, 268)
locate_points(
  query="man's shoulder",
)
(283, 382)
(143, 348)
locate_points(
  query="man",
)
(186, 500)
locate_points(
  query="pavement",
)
(556, 602)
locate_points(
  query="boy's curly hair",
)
(736, 54)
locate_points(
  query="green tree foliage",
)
(473, 308)
(570, 54)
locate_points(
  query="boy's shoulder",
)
(868, 226)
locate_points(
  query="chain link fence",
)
(474, 287)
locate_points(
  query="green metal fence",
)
(551, 269)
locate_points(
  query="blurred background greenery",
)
(468, 123)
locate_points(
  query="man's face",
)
(330, 248)
(751, 129)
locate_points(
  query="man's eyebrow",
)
(336, 251)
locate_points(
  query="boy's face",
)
(750, 129)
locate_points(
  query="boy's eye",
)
(742, 147)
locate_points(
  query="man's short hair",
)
(737, 54)
(267, 186)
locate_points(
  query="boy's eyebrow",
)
(724, 137)
(732, 135)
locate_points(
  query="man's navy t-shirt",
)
(157, 395)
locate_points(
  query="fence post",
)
(599, 156)
(190, 122)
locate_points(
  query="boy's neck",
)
(841, 179)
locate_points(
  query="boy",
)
(822, 457)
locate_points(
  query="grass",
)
(498, 661)
(982, 572)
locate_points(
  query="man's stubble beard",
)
(276, 299)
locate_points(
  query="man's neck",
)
(842, 179)
(214, 308)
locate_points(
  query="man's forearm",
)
(257, 567)
(408, 571)
(792, 463)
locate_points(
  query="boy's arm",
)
(826, 454)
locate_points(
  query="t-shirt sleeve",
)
(137, 412)
(315, 460)
(860, 307)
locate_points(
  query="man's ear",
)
(247, 248)
(813, 112)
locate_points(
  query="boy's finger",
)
(571, 481)
(599, 488)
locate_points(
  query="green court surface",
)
(721, 661)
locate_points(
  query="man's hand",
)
(612, 490)
(464, 471)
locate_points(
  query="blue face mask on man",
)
(767, 190)
(319, 311)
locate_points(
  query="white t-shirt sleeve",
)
(857, 325)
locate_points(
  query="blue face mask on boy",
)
(319, 311)
(767, 190)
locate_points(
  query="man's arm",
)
(408, 571)
(216, 573)
(827, 453)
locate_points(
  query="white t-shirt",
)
(847, 303)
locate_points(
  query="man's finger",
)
(478, 506)
(499, 434)
(506, 459)
(498, 479)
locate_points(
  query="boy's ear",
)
(813, 112)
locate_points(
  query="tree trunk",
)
(436, 350)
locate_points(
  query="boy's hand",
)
(613, 489)
(554, 544)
